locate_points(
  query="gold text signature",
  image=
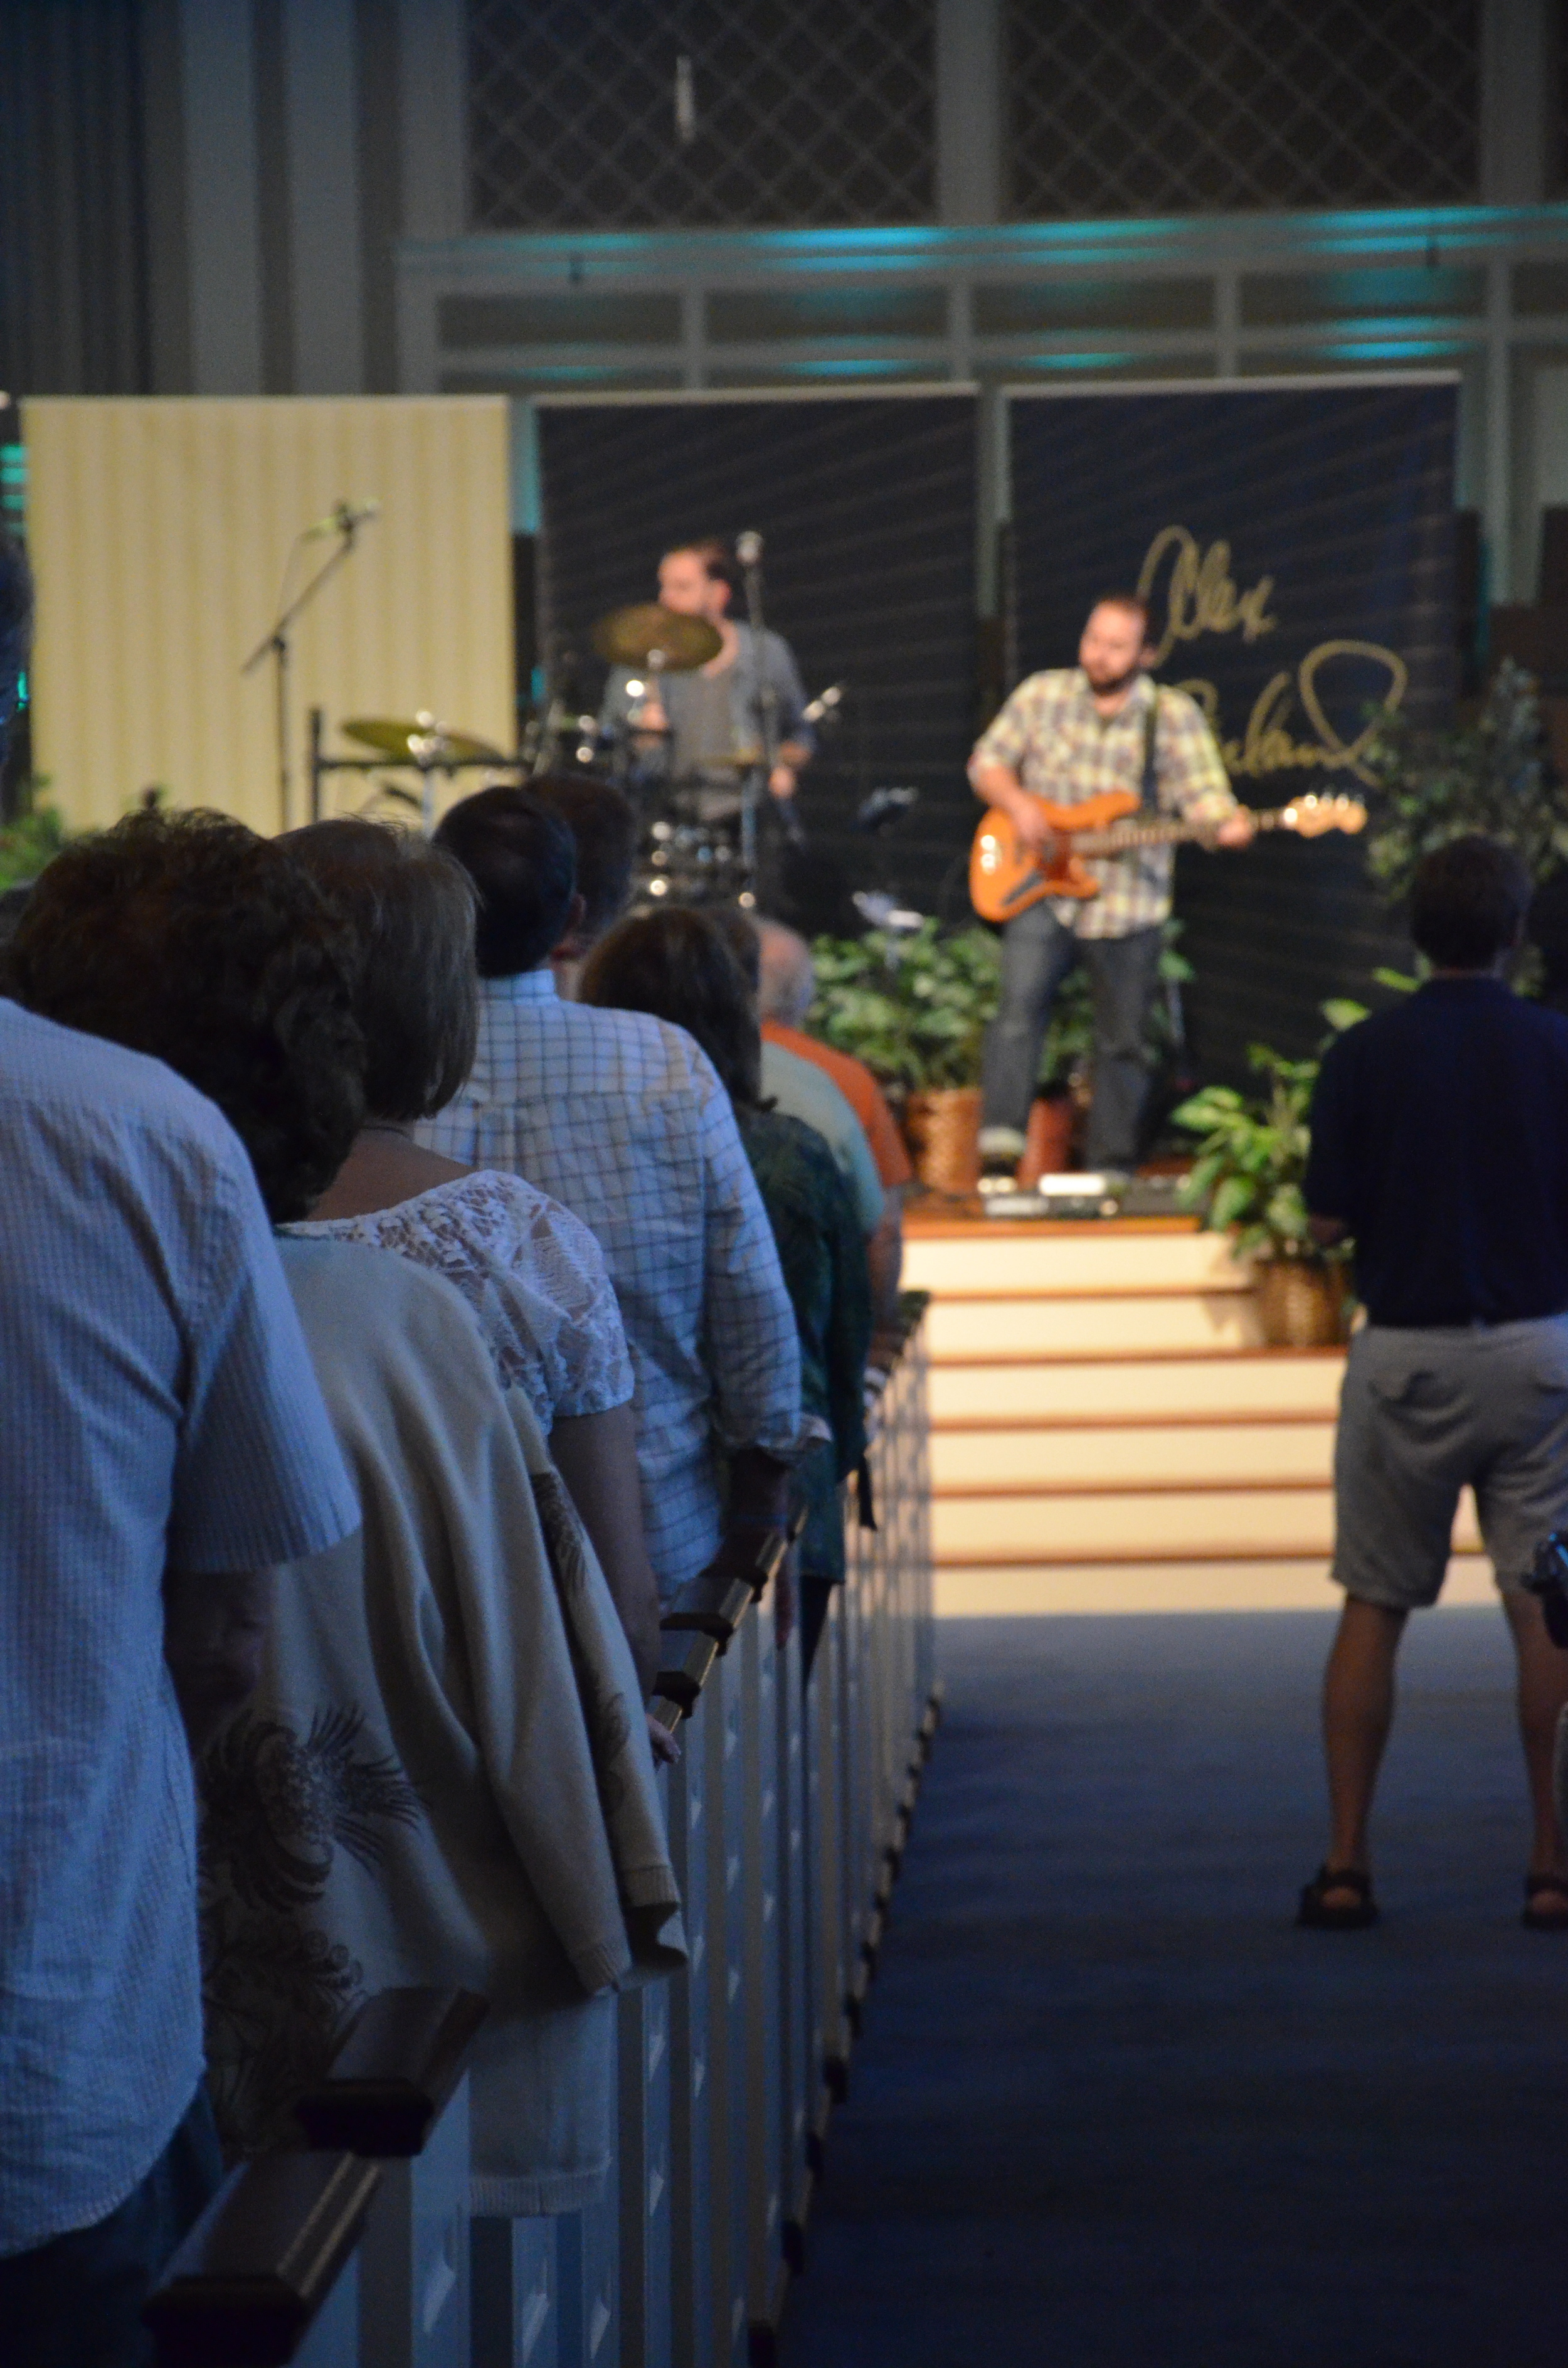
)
(1267, 745)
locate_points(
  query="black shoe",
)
(1353, 1916)
(1546, 1902)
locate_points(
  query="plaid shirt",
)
(623, 1118)
(1051, 735)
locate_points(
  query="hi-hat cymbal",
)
(629, 637)
(421, 742)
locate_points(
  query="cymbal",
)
(422, 742)
(629, 637)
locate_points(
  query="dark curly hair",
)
(677, 964)
(188, 937)
(416, 1000)
(1468, 902)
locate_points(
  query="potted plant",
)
(1246, 1181)
(916, 1009)
(1489, 772)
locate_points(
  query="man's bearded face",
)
(1111, 652)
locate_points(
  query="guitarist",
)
(1068, 734)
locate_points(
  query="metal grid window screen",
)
(616, 114)
(1132, 107)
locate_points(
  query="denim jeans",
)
(77, 2301)
(1037, 954)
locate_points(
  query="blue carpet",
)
(1112, 2109)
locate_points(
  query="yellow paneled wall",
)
(160, 531)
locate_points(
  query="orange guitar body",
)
(1005, 877)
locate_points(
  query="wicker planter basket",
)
(1053, 1121)
(944, 1138)
(1302, 1304)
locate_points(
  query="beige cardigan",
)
(445, 1776)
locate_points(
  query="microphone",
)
(749, 548)
(342, 519)
(824, 707)
(884, 912)
(883, 808)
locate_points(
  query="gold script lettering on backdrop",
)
(1267, 745)
(1199, 594)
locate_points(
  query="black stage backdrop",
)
(1271, 528)
(867, 506)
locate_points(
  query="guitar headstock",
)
(1311, 816)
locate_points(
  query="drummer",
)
(697, 730)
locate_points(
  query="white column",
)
(1517, 86)
(223, 228)
(1227, 320)
(994, 505)
(321, 115)
(970, 119)
(693, 339)
(433, 52)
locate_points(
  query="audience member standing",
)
(163, 1446)
(700, 972)
(532, 1272)
(1440, 1144)
(621, 1117)
(786, 991)
(604, 829)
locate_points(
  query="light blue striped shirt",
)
(623, 1118)
(158, 1407)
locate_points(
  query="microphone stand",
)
(274, 644)
(749, 551)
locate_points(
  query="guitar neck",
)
(1120, 836)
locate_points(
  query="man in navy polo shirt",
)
(1440, 1146)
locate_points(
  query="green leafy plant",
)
(914, 1009)
(28, 844)
(1488, 772)
(1246, 1176)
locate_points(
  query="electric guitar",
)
(1005, 877)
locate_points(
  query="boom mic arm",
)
(883, 808)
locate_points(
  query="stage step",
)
(1282, 1584)
(1037, 1528)
(1027, 1329)
(975, 1460)
(1262, 1384)
(1128, 1257)
(1107, 1430)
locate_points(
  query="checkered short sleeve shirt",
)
(622, 1119)
(1051, 735)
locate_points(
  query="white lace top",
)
(532, 1271)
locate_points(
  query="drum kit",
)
(687, 856)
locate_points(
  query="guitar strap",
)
(1150, 795)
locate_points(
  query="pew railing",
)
(787, 1815)
(788, 1810)
(355, 2252)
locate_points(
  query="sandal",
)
(1537, 1919)
(1318, 1916)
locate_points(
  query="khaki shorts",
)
(1422, 1415)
